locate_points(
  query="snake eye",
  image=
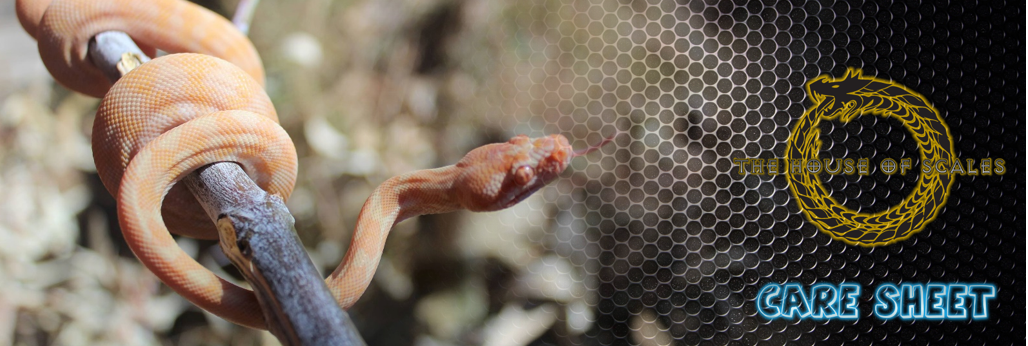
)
(523, 175)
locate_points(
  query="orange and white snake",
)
(180, 112)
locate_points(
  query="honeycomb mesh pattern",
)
(664, 225)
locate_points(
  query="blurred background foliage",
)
(367, 90)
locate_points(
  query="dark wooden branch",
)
(297, 305)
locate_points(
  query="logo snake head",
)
(837, 97)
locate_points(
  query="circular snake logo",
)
(845, 99)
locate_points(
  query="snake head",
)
(497, 176)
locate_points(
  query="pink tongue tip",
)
(595, 147)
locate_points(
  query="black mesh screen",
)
(676, 234)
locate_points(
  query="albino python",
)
(180, 112)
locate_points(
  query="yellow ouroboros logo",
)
(845, 99)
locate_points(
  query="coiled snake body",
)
(180, 112)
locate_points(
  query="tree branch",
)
(244, 14)
(297, 305)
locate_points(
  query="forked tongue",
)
(595, 147)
